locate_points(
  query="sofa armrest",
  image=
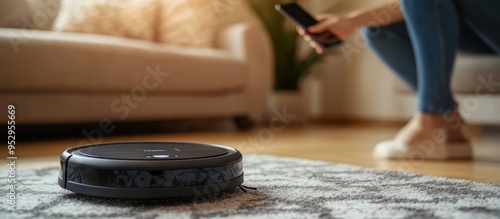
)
(251, 44)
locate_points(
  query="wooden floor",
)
(349, 144)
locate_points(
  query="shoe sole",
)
(394, 150)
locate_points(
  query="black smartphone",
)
(293, 11)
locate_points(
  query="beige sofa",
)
(56, 78)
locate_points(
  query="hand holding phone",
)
(326, 40)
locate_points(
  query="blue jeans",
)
(421, 50)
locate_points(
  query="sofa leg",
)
(243, 123)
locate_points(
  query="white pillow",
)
(126, 18)
(44, 12)
(12, 13)
(190, 22)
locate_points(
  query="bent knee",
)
(385, 33)
(370, 32)
(374, 34)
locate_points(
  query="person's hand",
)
(340, 26)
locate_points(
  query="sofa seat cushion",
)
(14, 13)
(86, 63)
(477, 74)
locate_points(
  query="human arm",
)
(345, 25)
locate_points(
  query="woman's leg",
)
(470, 42)
(433, 26)
(481, 20)
(392, 44)
(423, 55)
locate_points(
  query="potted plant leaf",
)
(289, 66)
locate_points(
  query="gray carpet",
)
(287, 188)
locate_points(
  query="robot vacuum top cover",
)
(150, 169)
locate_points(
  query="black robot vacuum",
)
(150, 169)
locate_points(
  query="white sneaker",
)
(433, 151)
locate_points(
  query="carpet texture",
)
(287, 188)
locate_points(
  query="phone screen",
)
(299, 15)
(302, 18)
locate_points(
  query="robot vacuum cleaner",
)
(150, 169)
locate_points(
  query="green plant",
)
(289, 67)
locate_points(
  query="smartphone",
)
(327, 40)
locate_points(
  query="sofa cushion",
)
(191, 22)
(86, 63)
(477, 74)
(44, 13)
(126, 18)
(14, 13)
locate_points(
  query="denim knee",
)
(385, 34)
(372, 34)
(369, 33)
